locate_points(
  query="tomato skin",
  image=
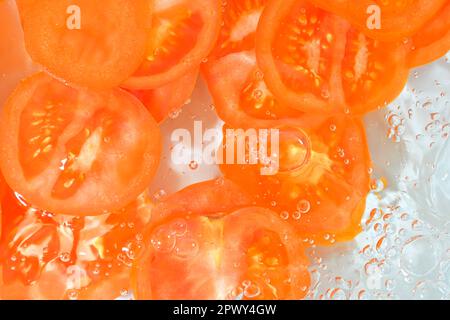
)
(321, 185)
(74, 257)
(396, 23)
(112, 37)
(212, 198)
(220, 260)
(168, 98)
(432, 41)
(347, 79)
(147, 78)
(140, 146)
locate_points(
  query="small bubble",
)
(193, 165)
(303, 206)
(163, 240)
(284, 215)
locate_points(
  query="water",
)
(404, 249)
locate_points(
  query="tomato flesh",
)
(183, 33)
(317, 62)
(397, 19)
(321, 182)
(246, 254)
(75, 151)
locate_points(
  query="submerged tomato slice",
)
(76, 152)
(47, 256)
(317, 62)
(397, 18)
(183, 34)
(248, 254)
(433, 40)
(169, 98)
(320, 182)
(102, 51)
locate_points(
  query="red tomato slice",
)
(183, 34)
(317, 62)
(102, 51)
(398, 19)
(432, 41)
(168, 98)
(47, 256)
(322, 179)
(247, 254)
(76, 152)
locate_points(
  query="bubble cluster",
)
(403, 251)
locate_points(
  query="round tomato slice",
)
(169, 98)
(98, 44)
(183, 34)
(48, 256)
(320, 178)
(315, 61)
(432, 41)
(74, 151)
(385, 19)
(248, 254)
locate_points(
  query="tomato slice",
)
(169, 98)
(317, 62)
(433, 40)
(102, 51)
(48, 256)
(74, 151)
(248, 254)
(183, 34)
(321, 182)
(398, 19)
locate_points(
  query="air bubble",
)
(163, 240)
(303, 206)
(420, 256)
